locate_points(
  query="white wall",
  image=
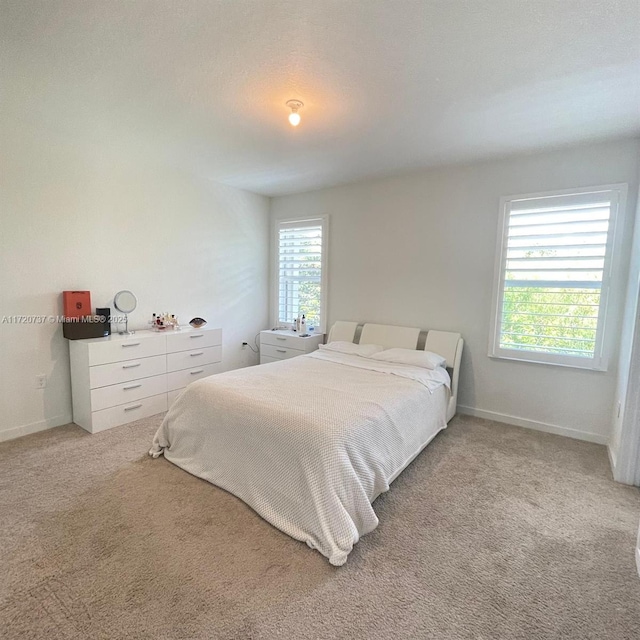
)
(74, 221)
(624, 447)
(419, 250)
(629, 329)
(101, 189)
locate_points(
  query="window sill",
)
(588, 366)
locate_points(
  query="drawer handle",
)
(131, 366)
(200, 353)
(193, 373)
(279, 338)
(199, 335)
(281, 350)
(132, 407)
(130, 344)
(131, 386)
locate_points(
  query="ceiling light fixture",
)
(294, 116)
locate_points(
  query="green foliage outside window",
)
(309, 291)
(554, 319)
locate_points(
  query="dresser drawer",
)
(192, 359)
(275, 339)
(114, 416)
(180, 379)
(127, 392)
(172, 396)
(125, 349)
(117, 372)
(266, 359)
(278, 352)
(190, 340)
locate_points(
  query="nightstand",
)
(283, 344)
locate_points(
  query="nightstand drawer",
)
(277, 340)
(116, 394)
(117, 372)
(280, 353)
(192, 359)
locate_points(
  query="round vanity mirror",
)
(125, 302)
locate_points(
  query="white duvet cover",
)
(310, 442)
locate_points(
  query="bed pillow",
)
(364, 350)
(424, 359)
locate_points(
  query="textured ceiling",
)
(388, 85)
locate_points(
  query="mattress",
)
(308, 443)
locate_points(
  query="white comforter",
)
(309, 443)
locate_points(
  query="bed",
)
(309, 443)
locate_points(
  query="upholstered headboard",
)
(342, 331)
(388, 336)
(447, 344)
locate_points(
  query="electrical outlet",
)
(41, 381)
(244, 345)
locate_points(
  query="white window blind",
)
(301, 260)
(553, 276)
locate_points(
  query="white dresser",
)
(119, 379)
(280, 345)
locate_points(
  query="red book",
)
(76, 303)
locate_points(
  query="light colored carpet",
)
(493, 532)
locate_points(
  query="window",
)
(301, 271)
(553, 273)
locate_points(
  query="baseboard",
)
(57, 421)
(34, 427)
(576, 434)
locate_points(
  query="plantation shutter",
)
(554, 276)
(300, 248)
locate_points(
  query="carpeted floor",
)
(493, 532)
